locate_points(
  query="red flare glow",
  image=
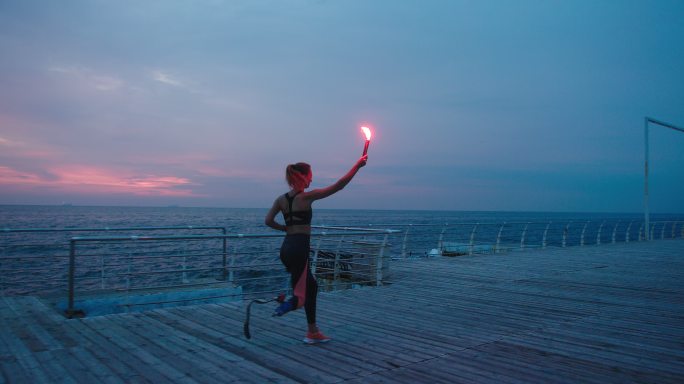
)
(367, 132)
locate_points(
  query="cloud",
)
(7, 143)
(26, 150)
(89, 77)
(9, 176)
(166, 78)
(98, 180)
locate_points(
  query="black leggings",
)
(294, 254)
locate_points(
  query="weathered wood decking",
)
(610, 313)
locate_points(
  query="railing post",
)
(651, 232)
(378, 264)
(472, 239)
(498, 238)
(615, 232)
(641, 229)
(225, 255)
(128, 271)
(598, 234)
(582, 236)
(629, 227)
(336, 263)
(72, 267)
(403, 246)
(72, 312)
(522, 237)
(544, 237)
(185, 267)
(565, 234)
(662, 232)
(674, 225)
(102, 272)
(314, 260)
(231, 263)
(440, 242)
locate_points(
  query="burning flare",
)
(367, 132)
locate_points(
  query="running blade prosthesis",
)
(280, 298)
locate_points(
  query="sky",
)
(523, 105)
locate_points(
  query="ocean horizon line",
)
(174, 206)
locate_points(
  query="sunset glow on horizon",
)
(83, 179)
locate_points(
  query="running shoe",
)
(314, 338)
(284, 308)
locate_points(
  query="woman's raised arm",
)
(322, 193)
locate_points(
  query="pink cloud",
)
(9, 176)
(86, 179)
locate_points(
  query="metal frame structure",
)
(647, 213)
(71, 311)
(342, 256)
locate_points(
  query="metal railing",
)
(34, 260)
(175, 267)
(157, 270)
(453, 239)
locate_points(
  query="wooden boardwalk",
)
(601, 314)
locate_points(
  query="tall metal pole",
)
(646, 209)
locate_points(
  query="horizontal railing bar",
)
(511, 223)
(334, 227)
(22, 257)
(178, 271)
(163, 287)
(20, 283)
(106, 229)
(255, 294)
(343, 228)
(279, 276)
(142, 256)
(180, 300)
(218, 282)
(206, 237)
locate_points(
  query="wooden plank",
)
(183, 358)
(32, 319)
(55, 370)
(11, 372)
(147, 364)
(102, 372)
(108, 354)
(14, 346)
(283, 342)
(253, 353)
(292, 345)
(226, 363)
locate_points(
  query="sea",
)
(250, 220)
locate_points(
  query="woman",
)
(294, 253)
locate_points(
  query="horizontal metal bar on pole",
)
(180, 300)
(507, 224)
(107, 229)
(341, 228)
(203, 237)
(162, 272)
(220, 284)
(664, 124)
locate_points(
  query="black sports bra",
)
(297, 217)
